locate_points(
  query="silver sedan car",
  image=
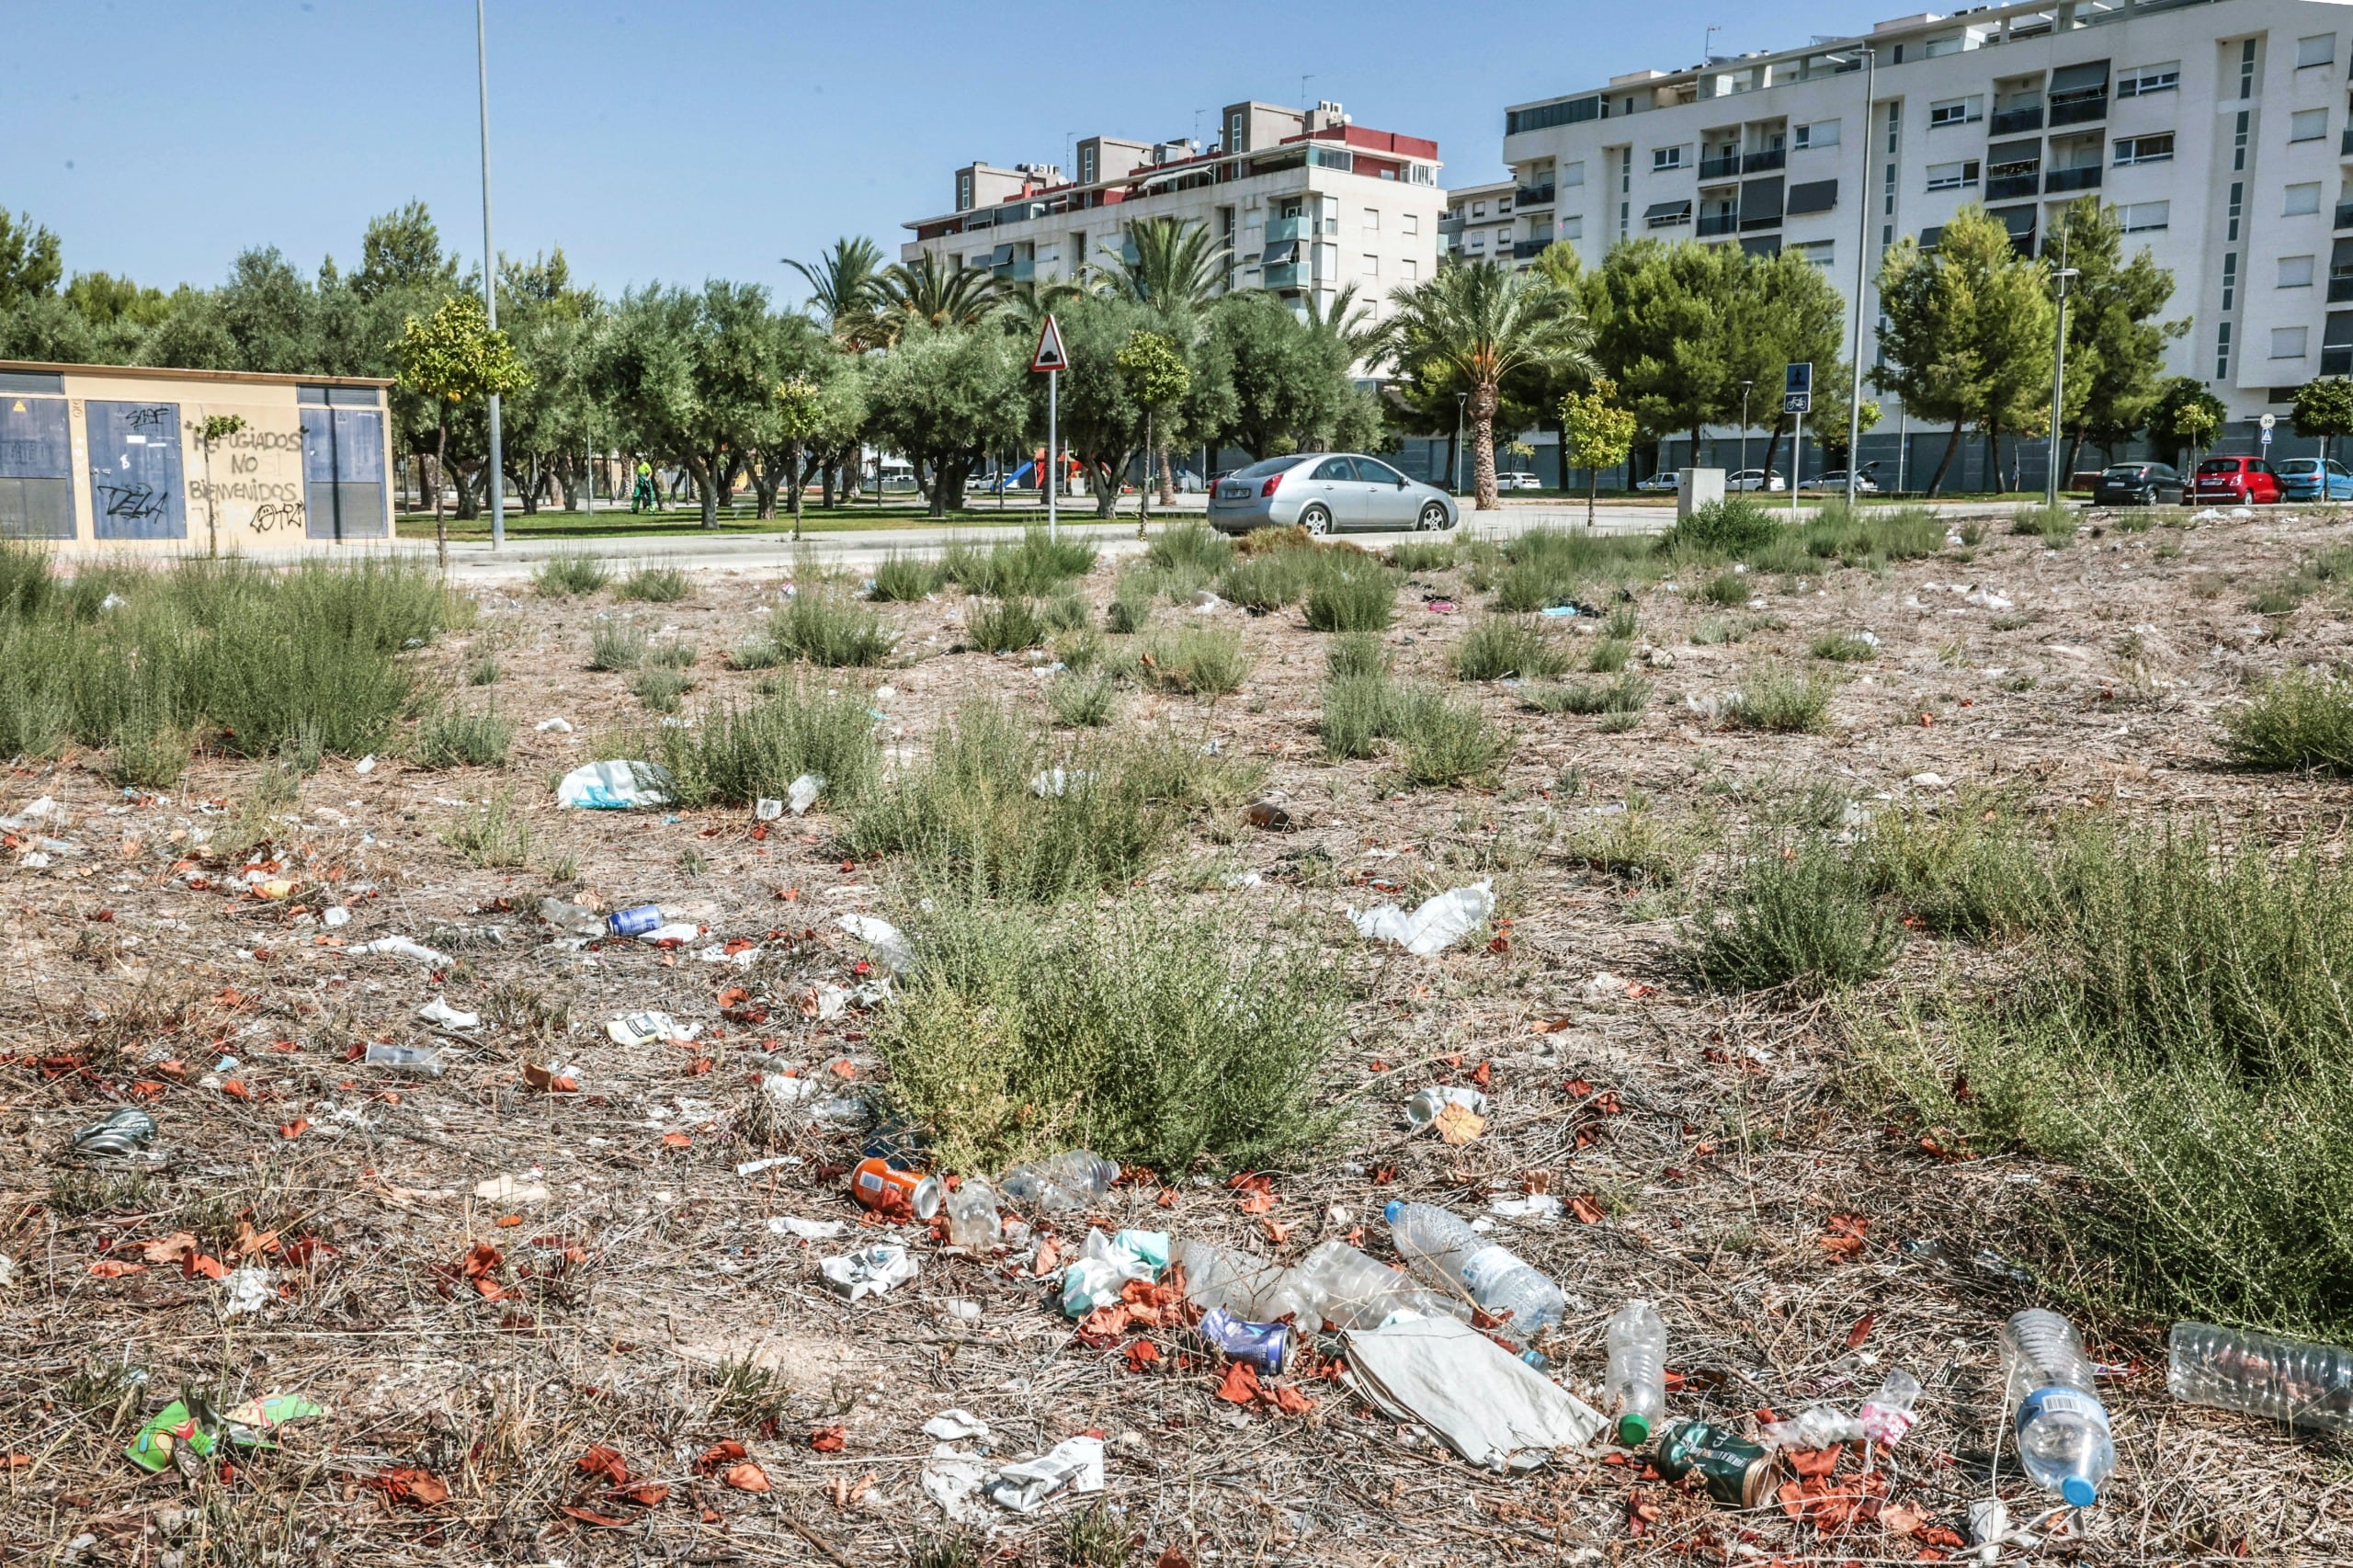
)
(1325, 492)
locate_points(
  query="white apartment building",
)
(2217, 129)
(1308, 201)
(1478, 224)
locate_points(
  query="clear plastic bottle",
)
(2063, 1429)
(1290, 1293)
(1443, 1249)
(2293, 1381)
(973, 1219)
(403, 1058)
(1887, 1414)
(1362, 1293)
(575, 919)
(1635, 1384)
(1072, 1180)
(1219, 1276)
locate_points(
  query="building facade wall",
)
(1996, 107)
(112, 459)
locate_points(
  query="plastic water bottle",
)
(1887, 1414)
(578, 919)
(1218, 1277)
(1443, 1249)
(972, 1215)
(1072, 1180)
(1362, 1293)
(1635, 1385)
(2062, 1427)
(2291, 1381)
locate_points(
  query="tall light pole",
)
(2058, 378)
(1744, 424)
(1862, 244)
(490, 280)
(1462, 402)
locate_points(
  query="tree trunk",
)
(467, 508)
(935, 491)
(1167, 480)
(793, 457)
(1483, 448)
(440, 524)
(1772, 447)
(1952, 445)
(706, 487)
(1144, 491)
(1592, 493)
(1103, 471)
(2074, 452)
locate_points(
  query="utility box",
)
(1696, 487)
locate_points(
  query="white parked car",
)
(1754, 479)
(1519, 481)
(1661, 482)
(1835, 483)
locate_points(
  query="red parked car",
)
(2247, 481)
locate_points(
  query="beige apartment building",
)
(1309, 202)
(109, 457)
(1477, 226)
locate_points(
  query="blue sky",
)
(687, 139)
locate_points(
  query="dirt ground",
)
(472, 1343)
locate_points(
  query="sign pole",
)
(1052, 476)
(1797, 458)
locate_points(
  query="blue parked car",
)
(2314, 479)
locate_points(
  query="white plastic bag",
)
(890, 945)
(614, 786)
(1436, 925)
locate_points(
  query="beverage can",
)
(1733, 1470)
(874, 1180)
(1262, 1345)
(635, 921)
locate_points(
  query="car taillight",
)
(1268, 488)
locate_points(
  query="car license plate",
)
(1234, 492)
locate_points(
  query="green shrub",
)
(655, 584)
(1977, 870)
(2295, 720)
(1545, 568)
(661, 690)
(1609, 656)
(827, 627)
(1269, 581)
(1422, 555)
(1033, 567)
(1132, 598)
(1775, 697)
(2054, 526)
(492, 835)
(1190, 545)
(1355, 653)
(1498, 645)
(449, 738)
(1065, 612)
(1801, 915)
(1726, 530)
(1637, 847)
(1840, 648)
(150, 759)
(1355, 713)
(569, 572)
(1630, 694)
(1002, 626)
(483, 672)
(973, 812)
(615, 646)
(1205, 661)
(1082, 701)
(733, 756)
(905, 579)
(762, 655)
(1727, 590)
(1147, 1031)
(1444, 741)
(1350, 591)
(1620, 624)
(1869, 535)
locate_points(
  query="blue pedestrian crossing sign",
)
(1797, 388)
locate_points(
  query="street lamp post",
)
(1461, 403)
(1862, 244)
(489, 280)
(2058, 379)
(1744, 424)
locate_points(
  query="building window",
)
(1372, 265)
(2246, 69)
(1409, 270)
(2295, 272)
(1820, 133)
(2154, 149)
(1819, 252)
(2288, 342)
(1478, 209)
(1479, 241)
(1957, 111)
(2230, 278)
(1572, 174)
(2145, 217)
(2238, 145)
(964, 192)
(1372, 220)
(2222, 351)
(135, 469)
(2318, 49)
(2301, 199)
(1572, 227)
(1952, 176)
(36, 468)
(1411, 223)
(2140, 81)
(2308, 125)
(2238, 199)
(1668, 158)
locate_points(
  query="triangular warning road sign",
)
(1050, 354)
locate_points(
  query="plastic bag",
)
(614, 786)
(1437, 924)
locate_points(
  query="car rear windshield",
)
(1270, 467)
(2300, 465)
(2127, 470)
(2220, 465)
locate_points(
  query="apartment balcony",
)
(1021, 270)
(2336, 359)
(2010, 122)
(2059, 180)
(1726, 168)
(1527, 250)
(2005, 188)
(2079, 111)
(1286, 228)
(2344, 215)
(1762, 220)
(1719, 223)
(2344, 143)
(1289, 274)
(1764, 162)
(1533, 196)
(2340, 287)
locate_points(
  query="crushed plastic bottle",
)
(1362, 1293)
(404, 1058)
(972, 1220)
(1887, 1414)
(1222, 1278)
(1443, 1249)
(1077, 1179)
(2062, 1427)
(2293, 1381)
(573, 919)
(1635, 1385)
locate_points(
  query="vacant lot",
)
(1793, 840)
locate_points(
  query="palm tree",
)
(847, 281)
(934, 295)
(1178, 267)
(1346, 324)
(1480, 323)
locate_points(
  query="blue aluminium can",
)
(635, 921)
(1263, 1345)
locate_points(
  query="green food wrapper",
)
(245, 1426)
